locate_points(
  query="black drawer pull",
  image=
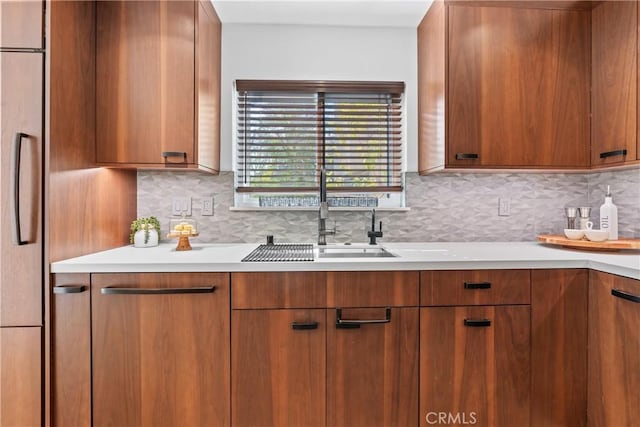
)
(477, 323)
(299, 326)
(613, 153)
(354, 324)
(625, 295)
(477, 285)
(182, 154)
(69, 289)
(466, 156)
(157, 291)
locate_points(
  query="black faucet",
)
(323, 211)
(373, 233)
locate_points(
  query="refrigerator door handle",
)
(15, 189)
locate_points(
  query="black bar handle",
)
(69, 289)
(477, 323)
(613, 153)
(15, 189)
(352, 324)
(625, 295)
(300, 326)
(477, 285)
(182, 154)
(157, 291)
(466, 156)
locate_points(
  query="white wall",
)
(295, 52)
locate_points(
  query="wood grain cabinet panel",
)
(475, 287)
(478, 373)
(372, 370)
(150, 97)
(71, 350)
(615, 79)
(21, 24)
(160, 355)
(516, 87)
(279, 365)
(372, 288)
(21, 376)
(208, 74)
(558, 347)
(279, 290)
(21, 262)
(614, 350)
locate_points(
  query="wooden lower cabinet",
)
(558, 347)
(20, 376)
(278, 367)
(474, 365)
(372, 368)
(160, 347)
(614, 351)
(71, 350)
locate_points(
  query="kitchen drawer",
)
(278, 290)
(475, 287)
(372, 288)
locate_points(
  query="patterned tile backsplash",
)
(444, 207)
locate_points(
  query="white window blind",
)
(288, 130)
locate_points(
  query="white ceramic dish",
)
(573, 234)
(597, 235)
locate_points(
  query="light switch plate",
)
(207, 206)
(504, 206)
(181, 205)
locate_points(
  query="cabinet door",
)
(21, 189)
(614, 92)
(21, 24)
(160, 348)
(71, 350)
(145, 82)
(278, 376)
(372, 368)
(474, 365)
(209, 63)
(20, 376)
(558, 344)
(614, 350)
(518, 90)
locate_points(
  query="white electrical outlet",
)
(504, 206)
(181, 206)
(207, 206)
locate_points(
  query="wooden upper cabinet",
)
(21, 24)
(157, 84)
(432, 40)
(516, 89)
(614, 350)
(615, 84)
(208, 73)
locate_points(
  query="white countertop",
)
(410, 256)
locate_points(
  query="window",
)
(286, 131)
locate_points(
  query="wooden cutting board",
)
(607, 245)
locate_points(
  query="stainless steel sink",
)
(354, 252)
